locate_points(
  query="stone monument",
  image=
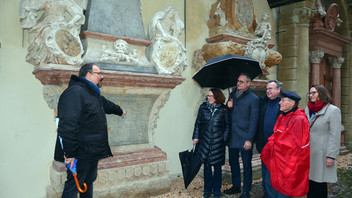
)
(136, 77)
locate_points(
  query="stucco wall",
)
(28, 126)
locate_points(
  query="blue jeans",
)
(86, 173)
(212, 183)
(236, 171)
(268, 189)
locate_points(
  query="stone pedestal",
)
(138, 168)
(141, 173)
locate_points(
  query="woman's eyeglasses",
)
(311, 93)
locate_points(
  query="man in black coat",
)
(269, 111)
(244, 105)
(82, 129)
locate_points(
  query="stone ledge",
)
(113, 38)
(57, 74)
(228, 37)
(123, 159)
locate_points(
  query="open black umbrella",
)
(223, 71)
(191, 164)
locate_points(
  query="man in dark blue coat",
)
(82, 129)
(244, 114)
(269, 111)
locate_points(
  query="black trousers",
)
(317, 190)
(86, 173)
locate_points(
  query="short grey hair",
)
(278, 83)
(249, 79)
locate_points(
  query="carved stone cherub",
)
(264, 27)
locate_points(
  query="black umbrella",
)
(223, 71)
(191, 164)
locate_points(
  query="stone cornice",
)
(229, 37)
(113, 38)
(56, 75)
(331, 42)
(123, 159)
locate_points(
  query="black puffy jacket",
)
(213, 136)
(82, 124)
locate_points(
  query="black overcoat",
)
(82, 122)
(212, 135)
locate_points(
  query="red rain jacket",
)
(286, 155)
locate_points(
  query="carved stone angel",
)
(52, 39)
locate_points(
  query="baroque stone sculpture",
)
(167, 53)
(52, 38)
(264, 27)
(258, 49)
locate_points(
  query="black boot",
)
(233, 190)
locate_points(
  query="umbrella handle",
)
(77, 184)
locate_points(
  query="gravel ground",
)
(343, 188)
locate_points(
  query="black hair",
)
(88, 67)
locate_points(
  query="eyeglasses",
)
(311, 93)
(99, 73)
(240, 81)
(210, 96)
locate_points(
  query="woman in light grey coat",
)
(325, 132)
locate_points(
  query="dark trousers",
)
(317, 190)
(86, 173)
(212, 182)
(268, 189)
(236, 171)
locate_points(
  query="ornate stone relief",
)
(154, 114)
(258, 49)
(319, 7)
(51, 95)
(221, 15)
(336, 62)
(120, 53)
(263, 28)
(198, 59)
(235, 17)
(51, 37)
(167, 53)
(241, 35)
(303, 15)
(316, 56)
(244, 12)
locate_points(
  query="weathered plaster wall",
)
(27, 124)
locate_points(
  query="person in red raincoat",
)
(286, 155)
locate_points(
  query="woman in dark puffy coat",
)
(210, 134)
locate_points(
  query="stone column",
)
(315, 58)
(336, 63)
(301, 19)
